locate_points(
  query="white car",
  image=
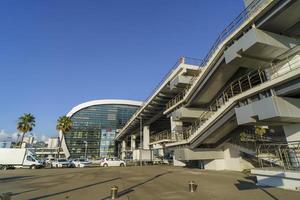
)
(112, 162)
(80, 162)
(49, 161)
(61, 163)
(97, 161)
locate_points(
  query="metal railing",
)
(181, 95)
(181, 60)
(242, 84)
(161, 136)
(236, 87)
(279, 155)
(234, 25)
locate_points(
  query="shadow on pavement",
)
(246, 185)
(17, 193)
(251, 178)
(131, 189)
(14, 178)
(20, 178)
(70, 190)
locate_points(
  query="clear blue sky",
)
(56, 54)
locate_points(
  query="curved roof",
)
(103, 102)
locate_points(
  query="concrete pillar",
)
(175, 125)
(123, 150)
(132, 142)
(146, 137)
(232, 159)
(178, 162)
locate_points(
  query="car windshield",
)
(82, 160)
(35, 157)
(62, 160)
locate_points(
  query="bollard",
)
(5, 196)
(114, 192)
(192, 186)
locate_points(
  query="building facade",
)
(95, 124)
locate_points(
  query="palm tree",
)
(64, 124)
(25, 124)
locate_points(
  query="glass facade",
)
(97, 125)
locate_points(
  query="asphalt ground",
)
(140, 183)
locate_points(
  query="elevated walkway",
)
(198, 132)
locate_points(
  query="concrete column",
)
(123, 150)
(132, 142)
(178, 162)
(232, 159)
(146, 137)
(175, 125)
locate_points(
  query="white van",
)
(21, 158)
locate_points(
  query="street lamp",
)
(85, 144)
(141, 141)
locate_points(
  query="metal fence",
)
(234, 25)
(244, 83)
(161, 136)
(279, 155)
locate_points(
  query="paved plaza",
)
(151, 182)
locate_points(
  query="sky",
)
(56, 54)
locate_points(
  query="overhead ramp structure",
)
(253, 64)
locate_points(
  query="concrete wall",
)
(186, 113)
(201, 154)
(180, 81)
(277, 178)
(258, 47)
(227, 159)
(274, 108)
(217, 164)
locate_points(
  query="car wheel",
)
(105, 165)
(32, 167)
(56, 166)
(122, 165)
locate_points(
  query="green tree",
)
(260, 131)
(64, 124)
(25, 124)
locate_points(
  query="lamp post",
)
(141, 141)
(85, 151)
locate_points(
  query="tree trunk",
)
(23, 134)
(59, 145)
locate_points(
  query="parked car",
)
(81, 162)
(49, 161)
(112, 162)
(97, 161)
(61, 162)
